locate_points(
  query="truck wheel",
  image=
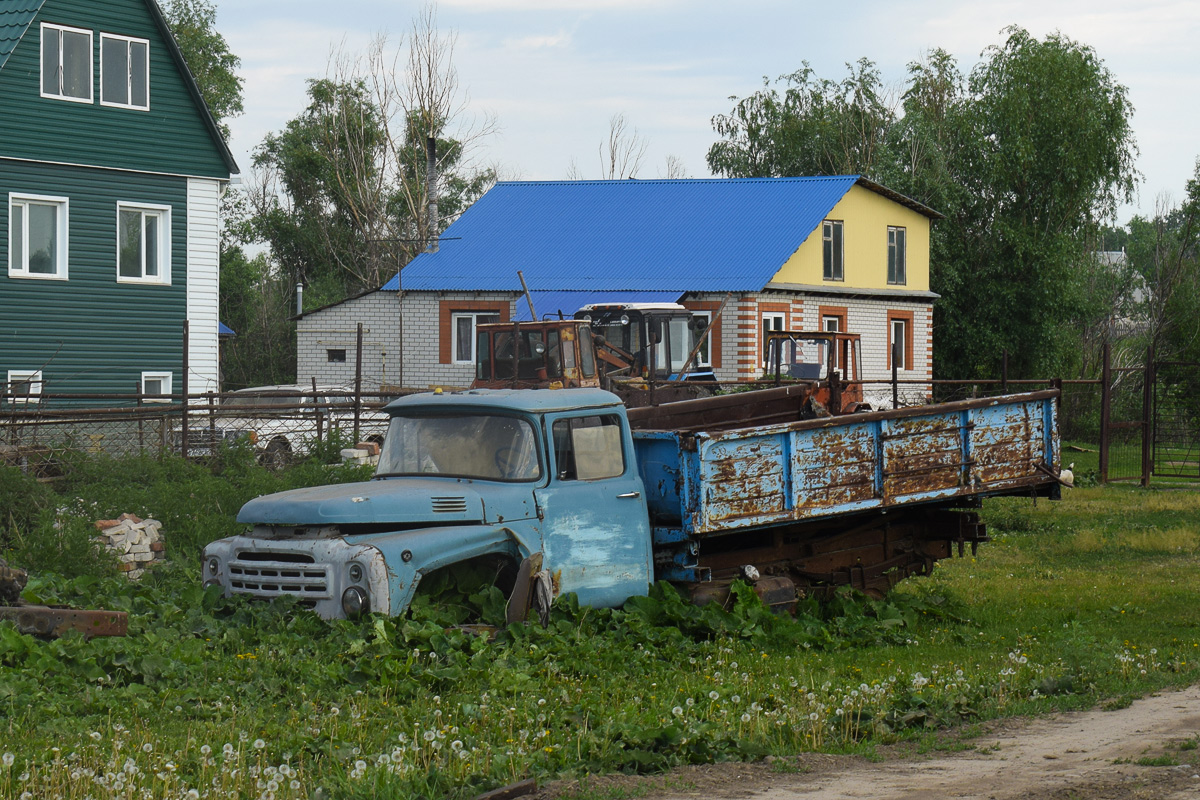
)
(277, 455)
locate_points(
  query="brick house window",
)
(458, 320)
(833, 249)
(710, 351)
(337, 356)
(900, 339)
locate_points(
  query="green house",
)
(111, 172)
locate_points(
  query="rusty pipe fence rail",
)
(36, 433)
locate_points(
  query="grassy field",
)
(1090, 600)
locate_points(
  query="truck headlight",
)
(354, 602)
(212, 566)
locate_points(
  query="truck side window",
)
(588, 448)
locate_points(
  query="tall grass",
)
(1071, 604)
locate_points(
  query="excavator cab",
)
(650, 340)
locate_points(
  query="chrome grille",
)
(449, 505)
(258, 575)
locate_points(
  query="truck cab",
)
(512, 478)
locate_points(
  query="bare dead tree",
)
(675, 168)
(622, 153)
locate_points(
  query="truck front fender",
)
(411, 555)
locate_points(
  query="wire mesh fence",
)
(278, 426)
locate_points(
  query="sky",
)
(552, 73)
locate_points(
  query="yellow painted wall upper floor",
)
(865, 216)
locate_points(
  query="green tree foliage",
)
(1026, 157)
(815, 126)
(342, 195)
(1164, 263)
(208, 57)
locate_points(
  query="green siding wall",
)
(90, 333)
(171, 137)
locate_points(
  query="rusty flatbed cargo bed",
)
(714, 482)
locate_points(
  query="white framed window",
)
(462, 332)
(37, 236)
(24, 386)
(833, 249)
(898, 345)
(831, 323)
(771, 321)
(143, 243)
(124, 72)
(156, 383)
(897, 255)
(66, 63)
(704, 354)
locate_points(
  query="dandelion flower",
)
(713, 695)
(259, 744)
(8, 759)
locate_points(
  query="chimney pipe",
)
(299, 299)
(431, 190)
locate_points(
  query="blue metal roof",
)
(224, 330)
(15, 17)
(713, 235)
(550, 303)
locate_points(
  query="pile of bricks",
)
(137, 543)
(362, 453)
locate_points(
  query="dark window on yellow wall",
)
(831, 238)
(897, 255)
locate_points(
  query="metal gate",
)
(1176, 438)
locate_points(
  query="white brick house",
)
(793, 254)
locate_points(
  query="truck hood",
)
(401, 501)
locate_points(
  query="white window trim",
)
(16, 266)
(165, 377)
(837, 323)
(902, 340)
(474, 317)
(91, 64)
(164, 243)
(763, 317)
(708, 338)
(129, 89)
(34, 376)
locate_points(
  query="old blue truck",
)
(569, 491)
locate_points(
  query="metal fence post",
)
(358, 355)
(1105, 410)
(183, 394)
(1004, 372)
(1148, 418)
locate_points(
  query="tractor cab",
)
(551, 353)
(827, 358)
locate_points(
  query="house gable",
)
(86, 132)
(865, 216)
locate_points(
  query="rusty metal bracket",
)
(58, 620)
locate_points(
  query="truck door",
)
(596, 530)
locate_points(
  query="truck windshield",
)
(490, 447)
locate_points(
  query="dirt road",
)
(1091, 754)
